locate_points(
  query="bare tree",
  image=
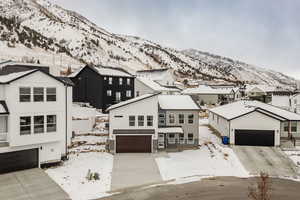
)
(262, 190)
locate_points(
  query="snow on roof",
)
(13, 76)
(105, 71)
(239, 108)
(177, 102)
(170, 130)
(264, 88)
(123, 103)
(204, 89)
(155, 74)
(154, 85)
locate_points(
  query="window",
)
(190, 137)
(108, 93)
(294, 126)
(141, 120)
(120, 81)
(181, 138)
(105, 78)
(38, 94)
(51, 123)
(191, 119)
(181, 118)
(25, 125)
(118, 96)
(131, 120)
(149, 120)
(51, 94)
(171, 118)
(25, 93)
(38, 124)
(128, 81)
(128, 93)
(286, 127)
(110, 80)
(137, 93)
(161, 118)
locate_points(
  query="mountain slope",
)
(56, 36)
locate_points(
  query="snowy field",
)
(211, 159)
(294, 156)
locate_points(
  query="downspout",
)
(66, 99)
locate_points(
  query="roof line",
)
(3, 103)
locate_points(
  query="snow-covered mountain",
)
(39, 30)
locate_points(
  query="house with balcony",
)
(35, 120)
(102, 86)
(153, 122)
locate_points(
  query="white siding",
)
(222, 126)
(141, 89)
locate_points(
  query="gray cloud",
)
(264, 33)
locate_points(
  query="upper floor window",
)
(38, 94)
(161, 118)
(38, 124)
(25, 94)
(110, 80)
(131, 120)
(128, 81)
(191, 119)
(25, 125)
(51, 94)
(118, 96)
(51, 123)
(171, 118)
(120, 81)
(190, 137)
(128, 93)
(181, 118)
(140, 120)
(286, 127)
(149, 120)
(108, 93)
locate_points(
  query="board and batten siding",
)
(255, 121)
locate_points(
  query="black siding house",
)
(102, 86)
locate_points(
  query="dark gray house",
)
(102, 86)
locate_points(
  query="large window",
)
(120, 81)
(25, 125)
(181, 118)
(38, 124)
(149, 120)
(171, 118)
(38, 94)
(25, 94)
(51, 123)
(191, 119)
(128, 93)
(140, 120)
(108, 93)
(118, 96)
(131, 120)
(294, 126)
(110, 80)
(51, 94)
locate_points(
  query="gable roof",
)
(156, 86)
(3, 108)
(130, 101)
(204, 89)
(104, 71)
(6, 79)
(177, 102)
(240, 108)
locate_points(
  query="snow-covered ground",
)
(211, 159)
(294, 156)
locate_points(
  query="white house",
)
(144, 85)
(255, 123)
(164, 76)
(151, 122)
(295, 103)
(35, 118)
(207, 95)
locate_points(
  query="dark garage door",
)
(133, 144)
(254, 137)
(18, 160)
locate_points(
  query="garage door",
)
(18, 160)
(254, 137)
(133, 144)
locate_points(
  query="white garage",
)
(254, 123)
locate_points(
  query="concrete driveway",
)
(33, 184)
(266, 159)
(132, 169)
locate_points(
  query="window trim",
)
(28, 125)
(37, 125)
(47, 123)
(131, 120)
(39, 94)
(181, 122)
(141, 119)
(51, 94)
(21, 94)
(150, 120)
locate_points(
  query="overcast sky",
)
(265, 33)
